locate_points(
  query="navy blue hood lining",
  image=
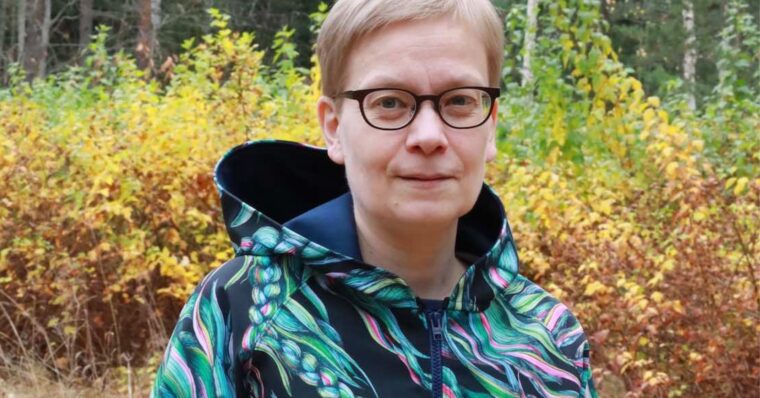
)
(340, 234)
(283, 180)
(280, 179)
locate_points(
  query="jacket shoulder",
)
(532, 301)
(256, 272)
(250, 289)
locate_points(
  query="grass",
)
(34, 380)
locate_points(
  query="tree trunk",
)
(155, 21)
(690, 52)
(21, 28)
(531, 26)
(37, 37)
(85, 23)
(144, 48)
(4, 24)
(149, 12)
(45, 35)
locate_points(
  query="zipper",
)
(435, 322)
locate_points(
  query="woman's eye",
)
(460, 100)
(390, 103)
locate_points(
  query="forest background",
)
(629, 159)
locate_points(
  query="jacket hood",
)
(264, 184)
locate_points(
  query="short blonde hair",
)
(350, 20)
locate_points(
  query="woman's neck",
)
(423, 257)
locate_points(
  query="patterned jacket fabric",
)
(297, 313)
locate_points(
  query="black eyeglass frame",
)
(360, 95)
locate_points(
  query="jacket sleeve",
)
(572, 341)
(588, 390)
(198, 360)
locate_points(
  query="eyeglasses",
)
(394, 108)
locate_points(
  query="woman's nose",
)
(427, 132)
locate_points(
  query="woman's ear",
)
(329, 121)
(491, 144)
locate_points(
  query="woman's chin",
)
(424, 215)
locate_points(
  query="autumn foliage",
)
(638, 213)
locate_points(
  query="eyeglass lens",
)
(460, 108)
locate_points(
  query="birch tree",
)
(531, 26)
(36, 38)
(85, 22)
(149, 12)
(4, 24)
(690, 52)
(21, 27)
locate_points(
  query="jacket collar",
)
(276, 195)
(332, 225)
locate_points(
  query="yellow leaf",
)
(656, 279)
(642, 303)
(654, 102)
(657, 297)
(671, 170)
(228, 47)
(669, 129)
(567, 44)
(594, 287)
(730, 182)
(649, 115)
(740, 185)
(605, 207)
(700, 214)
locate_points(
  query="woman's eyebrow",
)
(380, 81)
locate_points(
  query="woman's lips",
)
(426, 181)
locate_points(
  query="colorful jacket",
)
(297, 313)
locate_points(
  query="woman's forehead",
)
(434, 53)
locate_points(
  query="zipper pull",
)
(435, 324)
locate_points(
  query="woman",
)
(381, 266)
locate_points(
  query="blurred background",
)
(629, 136)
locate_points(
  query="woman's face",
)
(426, 173)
